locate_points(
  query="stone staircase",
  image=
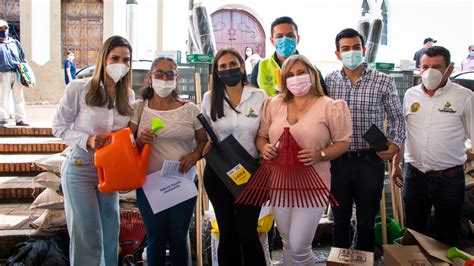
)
(19, 148)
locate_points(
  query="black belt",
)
(359, 153)
(450, 172)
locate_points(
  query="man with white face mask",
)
(357, 175)
(439, 117)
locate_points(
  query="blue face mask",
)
(285, 46)
(471, 53)
(352, 59)
(3, 34)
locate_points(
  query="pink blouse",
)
(326, 121)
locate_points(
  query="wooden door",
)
(10, 12)
(238, 29)
(82, 29)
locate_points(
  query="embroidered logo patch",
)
(447, 108)
(415, 107)
(78, 162)
(251, 113)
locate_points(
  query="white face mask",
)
(163, 87)
(431, 78)
(117, 71)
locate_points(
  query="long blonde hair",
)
(316, 88)
(96, 96)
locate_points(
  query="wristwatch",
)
(323, 155)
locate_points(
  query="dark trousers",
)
(238, 238)
(168, 227)
(445, 192)
(356, 179)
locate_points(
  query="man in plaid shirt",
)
(357, 176)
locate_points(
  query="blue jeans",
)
(166, 227)
(446, 193)
(359, 180)
(93, 217)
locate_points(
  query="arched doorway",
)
(239, 29)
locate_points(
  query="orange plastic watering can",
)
(119, 165)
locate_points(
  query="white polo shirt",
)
(438, 126)
(244, 125)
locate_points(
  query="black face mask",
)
(3, 34)
(231, 77)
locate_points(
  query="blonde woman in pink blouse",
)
(322, 127)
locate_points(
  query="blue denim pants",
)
(168, 227)
(356, 180)
(445, 193)
(93, 218)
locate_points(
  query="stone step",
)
(18, 189)
(40, 130)
(11, 237)
(13, 145)
(20, 164)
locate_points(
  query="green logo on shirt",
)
(251, 113)
(447, 108)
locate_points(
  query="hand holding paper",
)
(168, 187)
(171, 169)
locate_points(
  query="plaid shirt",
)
(371, 97)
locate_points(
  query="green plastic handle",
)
(453, 252)
(156, 124)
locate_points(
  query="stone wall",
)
(49, 76)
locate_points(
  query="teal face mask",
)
(285, 46)
(352, 59)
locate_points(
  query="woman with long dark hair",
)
(232, 107)
(182, 139)
(89, 108)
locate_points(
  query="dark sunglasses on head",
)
(160, 74)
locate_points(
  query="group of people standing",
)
(327, 118)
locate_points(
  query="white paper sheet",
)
(170, 168)
(166, 191)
